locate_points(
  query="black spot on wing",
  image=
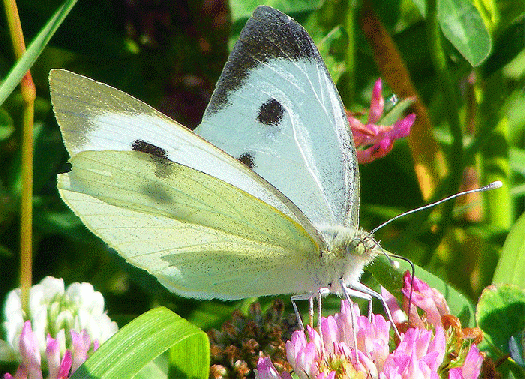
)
(149, 148)
(247, 159)
(268, 34)
(163, 166)
(271, 113)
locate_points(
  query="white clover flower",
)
(55, 311)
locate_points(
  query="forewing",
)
(95, 117)
(276, 109)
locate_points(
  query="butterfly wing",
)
(200, 236)
(276, 108)
(172, 203)
(95, 116)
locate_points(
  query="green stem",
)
(349, 25)
(451, 109)
(26, 206)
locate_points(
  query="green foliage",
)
(511, 265)
(501, 315)
(144, 339)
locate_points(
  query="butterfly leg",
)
(304, 296)
(297, 314)
(370, 310)
(310, 297)
(320, 294)
(311, 310)
(347, 293)
(362, 291)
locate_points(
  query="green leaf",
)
(144, 339)
(463, 26)
(421, 6)
(397, 112)
(333, 48)
(33, 51)
(501, 314)
(7, 126)
(511, 265)
(517, 159)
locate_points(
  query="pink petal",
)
(360, 132)
(428, 299)
(422, 342)
(438, 344)
(30, 352)
(398, 316)
(21, 373)
(377, 103)
(344, 322)
(330, 333)
(324, 375)
(315, 339)
(402, 127)
(266, 369)
(455, 373)
(381, 137)
(307, 359)
(373, 338)
(65, 366)
(374, 152)
(294, 346)
(472, 366)
(81, 344)
(363, 364)
(53, 356)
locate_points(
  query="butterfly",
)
(263, 199)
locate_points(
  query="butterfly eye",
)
(271, 113)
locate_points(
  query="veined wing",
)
(199, 235)
(95, 116)
(276, 108)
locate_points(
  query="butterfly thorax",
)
(348, 251)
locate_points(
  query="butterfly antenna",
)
(491, 186)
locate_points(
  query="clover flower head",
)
(374, 141)
(63, 325)
(349, 345)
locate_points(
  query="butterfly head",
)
(348, 251)
(350, 241)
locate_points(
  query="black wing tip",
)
(269, 34)
(276, 35)
(265, 11)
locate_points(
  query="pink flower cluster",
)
(377, 140)
(421, 352)
(31, 365)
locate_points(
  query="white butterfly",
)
(198, 219)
